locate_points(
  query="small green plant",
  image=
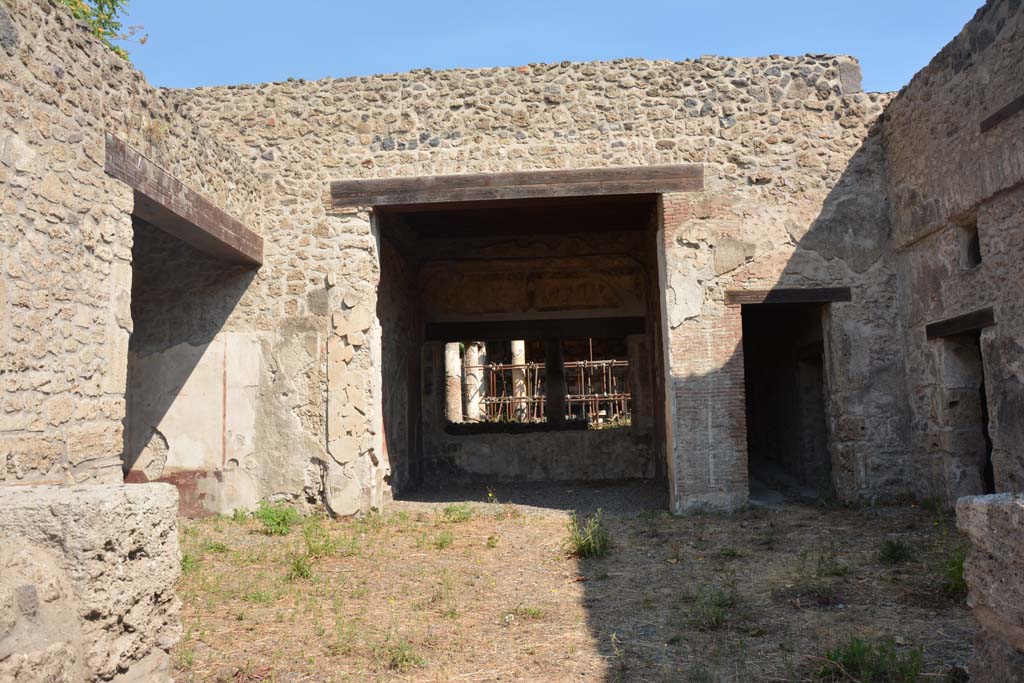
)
(492, 541)
(589, 538)
(895, 551)
(258, 596)
(443, 540)
(239, 516)
(189, 563)
(344, 639)
(278, 519)
(215, 547)
(647, 516)
(103, 19)
(461, 512)
(953, 582)
(829, 563)
(186, 658)
(729, 553)
(768, 537)
(859, 660)
(400, 656)
(713, 606)
(526, 612)
(301, 568)
(318, 540)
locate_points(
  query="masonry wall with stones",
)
(948, 176)
(87, 579)
(794, 197)
(995, 580)
(66, 227)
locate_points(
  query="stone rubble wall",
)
(794, 197)
(994, 571)
(66, 229)
(943, 173)
(87, 576)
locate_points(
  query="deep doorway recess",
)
(519, 341)
(784, 372)
(966, 415)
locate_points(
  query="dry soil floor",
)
(461, 590)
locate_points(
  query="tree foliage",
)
(103, 19)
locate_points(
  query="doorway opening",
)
(965, 416)
(518, 341)
(784, 374)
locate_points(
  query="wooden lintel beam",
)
(1014, 107)
(169, 204)
(961, 324)
(560, 328)
(419, 190)
(807, 295)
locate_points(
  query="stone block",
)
(87, 579)
(994, 571)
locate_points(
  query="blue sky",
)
(215, 42)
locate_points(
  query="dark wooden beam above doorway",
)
(790, 295)
(471, 187)
(961, 324)
(167, 203)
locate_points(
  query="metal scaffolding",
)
(596, 392)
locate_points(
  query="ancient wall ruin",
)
(954, 174)
(794, 197)
(298, 380)
(995, 525)
(66, 273)
(87, 578)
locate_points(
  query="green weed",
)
(713, 606)
(953, 582)
(589, 538)
(301, 568)
(400, 656)
(895, 551)
(443, 540)
(318, 539)
(858, 660)
(461, 512)
(189, 563)
(278, 519)
(829, 563)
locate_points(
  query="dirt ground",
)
(443, 590)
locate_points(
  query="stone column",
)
(554, 370)
(519, 380)
(452, 382)
(473, 387)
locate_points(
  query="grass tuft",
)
(301, 568)
(400, 656)
(443, 540)
(953, 582)
(278, 519)
(189, 563)
(318, 540)
(895, 551)
(460, 512)
(859, 660)
(829, 563)
(713, 606)
(589, 538)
